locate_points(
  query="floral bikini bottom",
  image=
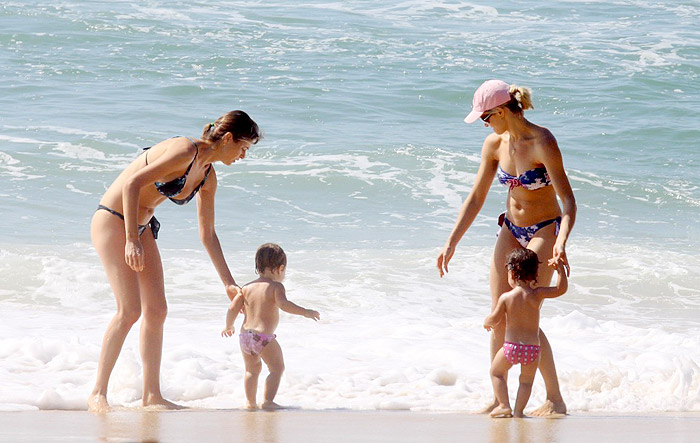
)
(252, 342)
(525, 233)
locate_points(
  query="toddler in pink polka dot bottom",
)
(520, 307)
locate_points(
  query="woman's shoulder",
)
(544, 135)
(175, 148)
(184, 146)
(546, 141)
(490, 151)
(492, 142)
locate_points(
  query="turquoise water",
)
(364, 164)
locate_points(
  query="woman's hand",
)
(228, 332)
(133, 255)
(444, 258)
(559, 258)
(232, 291)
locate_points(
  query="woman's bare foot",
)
(501, 412)
(489, 408)
(550, 409)
(98, 404)
(251, 406)
(160, 403)
(271, 406)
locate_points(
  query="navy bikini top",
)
(532, 179)
(174, 187)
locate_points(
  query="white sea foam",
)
(13, 168)
(61, 130)
(23, 140)
(69, 150)
(392, 335)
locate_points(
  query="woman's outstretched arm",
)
(474, 201)
(552, 160)
(207, 233)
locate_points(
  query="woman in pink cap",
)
(527, 160)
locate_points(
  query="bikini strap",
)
(196, 151)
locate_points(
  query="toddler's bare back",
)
(522, 316)
(260, 306)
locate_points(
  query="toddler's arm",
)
(560, 288)
(293, 308)
(496, 316)
(233, 309)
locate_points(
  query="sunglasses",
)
(487, 115)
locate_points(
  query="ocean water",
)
(361, 173)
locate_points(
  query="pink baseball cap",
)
(490, 94)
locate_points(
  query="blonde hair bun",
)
(523, 95)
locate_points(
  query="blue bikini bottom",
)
(525, 234)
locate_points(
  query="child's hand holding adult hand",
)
(232, 291)
(559, 265)
(559, 258)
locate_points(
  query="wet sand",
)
(196, 425)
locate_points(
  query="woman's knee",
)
(155, 313)
(128, 316)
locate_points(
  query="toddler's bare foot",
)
(271, 406)
(98, 404)
(501, 412)
(550, 409)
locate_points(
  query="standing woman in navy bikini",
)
(527, 160)
(124, 233)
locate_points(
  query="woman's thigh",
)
(543, 245)
(108, 238)
(151, 281)
(499, 275)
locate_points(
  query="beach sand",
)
(197, 425)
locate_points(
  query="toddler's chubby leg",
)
(498, 283)
(272, 356)
(253, 366)
(499, 375)
(527, 376)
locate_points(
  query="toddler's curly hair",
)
(523, 263)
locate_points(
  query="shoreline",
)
(298, 425)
